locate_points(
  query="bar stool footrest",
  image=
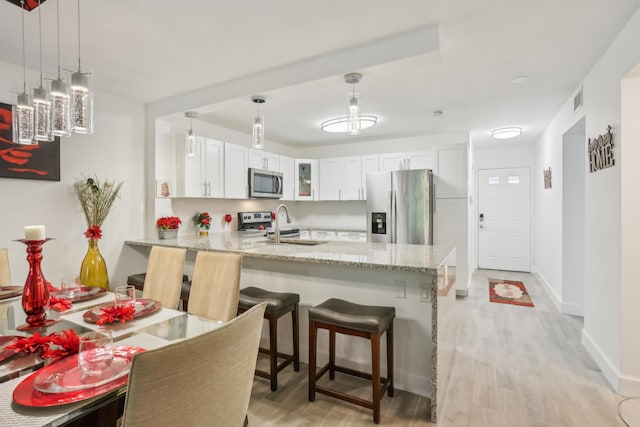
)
(384, 383)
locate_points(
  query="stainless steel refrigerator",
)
(400, 207)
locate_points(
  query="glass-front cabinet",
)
(306, 180)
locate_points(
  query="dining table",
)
(154, 328)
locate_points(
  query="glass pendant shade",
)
(258, 132)
(61, 106)
(23, 120)
(191, 143)
(43, 119)
(81, 100)
(354, 116)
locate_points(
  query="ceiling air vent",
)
(577, 101)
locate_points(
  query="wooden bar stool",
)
(278, 304)
(364, 321)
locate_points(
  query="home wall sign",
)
(601, 151)
(38, 161)
(547, 178)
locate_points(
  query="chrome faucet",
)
(277, 232)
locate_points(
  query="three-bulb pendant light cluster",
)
(59, 110)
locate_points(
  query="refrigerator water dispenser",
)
(378, 223)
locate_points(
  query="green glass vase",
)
(93, 271)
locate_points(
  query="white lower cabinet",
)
(323, 235)
(450, 228)
(352, 236)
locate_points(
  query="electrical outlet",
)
(424, 292)
(401, 289)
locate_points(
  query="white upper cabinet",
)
(419, 160)
(330, 179)
(370, 163)
(262, 160)
(341, 178)
(451, 173)
(287, 167)
(306, 179)
(351, 179)
(391, 162)
(403, 161)
(201, 175)
(236, 165)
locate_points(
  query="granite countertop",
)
(416, 258)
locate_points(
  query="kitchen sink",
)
(292, 241)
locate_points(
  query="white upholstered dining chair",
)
(163, 280)
(215, 285)
(5, 272)
(201, 381)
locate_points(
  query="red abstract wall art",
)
(41, 161)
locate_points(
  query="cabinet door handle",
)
(313, 194)
(339, 193)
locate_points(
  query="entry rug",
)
(509, 292)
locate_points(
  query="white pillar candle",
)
(34, 232)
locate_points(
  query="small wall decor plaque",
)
(601, 151)
(547, 177)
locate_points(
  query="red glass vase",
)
(35, 296)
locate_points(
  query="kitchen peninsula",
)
(415, 279)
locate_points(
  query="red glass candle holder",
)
(35, 296)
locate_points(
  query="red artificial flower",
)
(116, 313)
(168, 223)
(59, 304)
(51, 287)
(93, 233)
(31, 344)
(68, 342)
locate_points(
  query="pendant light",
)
(23, 110)
(59, 95)
(81, 93)
(258, 124)
(190, 146)
(41, 103)
(353, 113)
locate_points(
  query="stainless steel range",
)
(260, 222)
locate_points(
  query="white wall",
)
(602, 295)
(630, 291)
(114, 152)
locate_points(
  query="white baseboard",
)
(555, 299)
(609, 370)
(629, 385)
(572, 309)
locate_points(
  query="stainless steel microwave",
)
(265, 184)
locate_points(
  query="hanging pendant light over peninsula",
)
(190, 146)
(258, 124)
(81, 79)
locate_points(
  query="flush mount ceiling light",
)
(506, 133)
(190, 146)
(258, 124)
(354, 122)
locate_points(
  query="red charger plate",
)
(26, 395)
(143, 307)
(4, 341)
(83, 294)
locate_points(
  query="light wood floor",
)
(515, 366)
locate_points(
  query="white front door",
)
(504, 219)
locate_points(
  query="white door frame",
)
(477, 213)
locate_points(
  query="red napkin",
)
(68, 342)
(31, 344)
(50, 286)
(59, 304)
(115, 313)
